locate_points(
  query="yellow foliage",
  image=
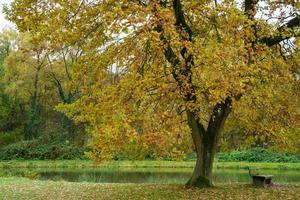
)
(133, 97)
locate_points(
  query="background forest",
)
(36, 81)
(32, 85)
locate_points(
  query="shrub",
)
(256, 155)
(42, 149)
(10, 137)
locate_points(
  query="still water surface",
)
(158, 175)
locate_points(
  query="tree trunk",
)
(205, 142)
(205, 150)
(67, 128)
(202, 174)
(33, 123)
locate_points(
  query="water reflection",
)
(163, 175)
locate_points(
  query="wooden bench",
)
(260, 180)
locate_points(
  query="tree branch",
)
(292, 24)
(250, 8)
(219, 115)
(180, 18)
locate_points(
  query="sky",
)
(4, 23)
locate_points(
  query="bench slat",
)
(263, 176)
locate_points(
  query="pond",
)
(158, 175)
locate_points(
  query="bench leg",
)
(268, 182)
(258, 182)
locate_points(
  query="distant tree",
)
(22, 71)
(61, 62)
(10, 108)
(35, 75)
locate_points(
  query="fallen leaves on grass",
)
(20, 188)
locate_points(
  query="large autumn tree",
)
(154, 68)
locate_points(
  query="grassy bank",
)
(20, 188)
(143, 164)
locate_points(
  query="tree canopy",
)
(153, 71)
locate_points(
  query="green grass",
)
(21, 188)
(266, 165)
(143, 164)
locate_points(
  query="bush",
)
(256, 155)
(42, 149)
(10, 137)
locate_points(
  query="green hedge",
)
(42, 150)
(256, 155)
